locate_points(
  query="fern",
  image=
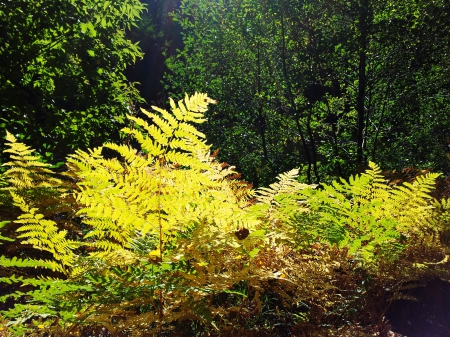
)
(163, 189)
(159, 218)
(22, 263)
(44, 235)
(287, 183)
(51, 302)
(364, 214)
(166, 233)
(30, 182)
(279, 201)
(415, 200)
(35, 191)
(40, 302)
(26, 169)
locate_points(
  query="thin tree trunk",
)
(335, 140)
(380, 122)
(362, 79)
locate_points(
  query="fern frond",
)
(4, 238)
(164, 124)
(287, 183)
(44, 234)
(165, 114)
(161, 131)
(198, 102)
(129, 154)
(367, 215)
(186, 160)
(104, 247)
(24, 263)
(191, 110)
(26, 169)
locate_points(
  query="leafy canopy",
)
(62, 85)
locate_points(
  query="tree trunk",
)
(362, 79)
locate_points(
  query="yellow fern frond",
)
(161, 131)
(26, 169)
(287, 183)
(165, 114)
(130, 155)
(165, 124)
(166, 192)
(44, 234)
(191, 110)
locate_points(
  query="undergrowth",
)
(160, 239)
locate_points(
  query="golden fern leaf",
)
(185, 159)
(26, 170)
(198, 102)
(165, 114)
(192, 109)
(160, 131)
(165, 121)
(176, 188)
(287, 183)
(129, 154)
(43, 234)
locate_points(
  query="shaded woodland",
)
(224, 168)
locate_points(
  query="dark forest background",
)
(324, 85)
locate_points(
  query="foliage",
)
(364, 215)
(32, 183)
(163, 239)
(328, 85)
(168, 203)
(62, 85)
(35, 193)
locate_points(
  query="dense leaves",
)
(327, 85)
(153, 235)
(61, 71)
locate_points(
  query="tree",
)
(61, 71)
(246, 125)
(327, 85)
(289, 89)
(414, 126)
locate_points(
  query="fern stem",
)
(160, 311)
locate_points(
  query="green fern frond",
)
(416, 211)
(23, 263)
(4, 238)
(363, 214)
